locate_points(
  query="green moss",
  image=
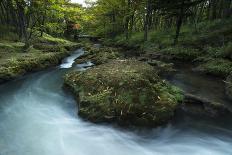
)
(99, 55)
(224, 52)
(49, 48)
(15, 61)
(228, 50)
(48, 43)
(51, 40)
(9, 47)
(18, 66)
(219, 67)
(181, 53)
(161, 66)
(213, 52)
(124, 91)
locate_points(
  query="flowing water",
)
(38, 118)
(201, 85)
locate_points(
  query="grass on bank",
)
(44, 51)
(203, 43)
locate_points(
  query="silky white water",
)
(38, 118)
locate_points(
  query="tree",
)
(179, 9)
(147, 18)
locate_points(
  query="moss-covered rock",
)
(127, 92)
(218, 67)
(228, 50)
(181, 53)
(99, 55)
(160, 66)
(30, 62)
(48, 47)
(44, 52)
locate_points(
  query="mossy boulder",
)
(127, 92)
(99, 55)
(228, 50)
(29, 62)
(219, 67)
(180, 53)
(56, 48)
(48, 47)
(161, 66)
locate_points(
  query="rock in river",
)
(127, 92)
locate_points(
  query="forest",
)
(115, 77)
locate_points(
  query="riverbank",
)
(43, 53)
(208, 46)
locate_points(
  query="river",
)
(37, 117)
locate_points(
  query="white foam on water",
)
(68, 62)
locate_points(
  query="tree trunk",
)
(213, 9)
(147, 19)
(22, 23)
(227, 10)
(127, 19)
(179, 22)
(42, 25)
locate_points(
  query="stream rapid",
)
(37, 117)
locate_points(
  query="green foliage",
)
(8, 47)
(99, 55)
(7, 33)
(136, 40)
(228, 50)
(215, 52)
(162, 38)
(210, 33)
(22, 19)
(48, 39)
(20, 64)
(56, 29)
(45, 52)
(219, 67)
(182, 53)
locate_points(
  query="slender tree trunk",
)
(42, 25)
(114, 23)
(147, 18)
(214, 9)
(179, 22)
(132, 22)
(22, 22)
(3, 13)
(227, 10)
(127, 21)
